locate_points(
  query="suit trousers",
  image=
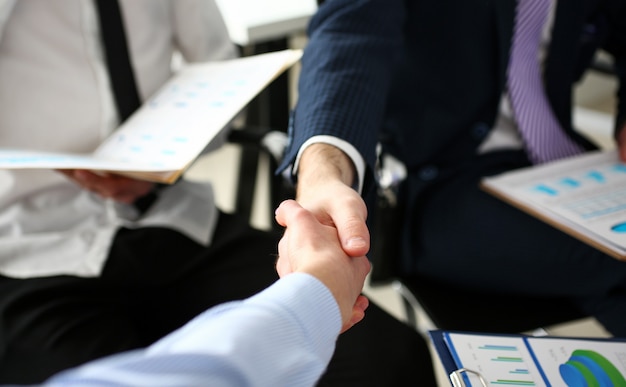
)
(154, 280)
(465, 236)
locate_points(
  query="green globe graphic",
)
(587, 368)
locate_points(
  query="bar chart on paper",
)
(606, 191)
(502, 361)
(518, 360)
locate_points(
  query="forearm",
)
(283, 336)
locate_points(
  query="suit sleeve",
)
(616, 46)
(346, 73)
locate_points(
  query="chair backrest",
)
(256, 143)
(449, 306)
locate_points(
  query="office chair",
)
(257, 143)
(447, 305)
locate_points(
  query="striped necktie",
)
(543, 136)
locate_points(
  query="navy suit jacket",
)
(425, 77)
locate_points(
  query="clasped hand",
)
(110, 186)
(311, 247)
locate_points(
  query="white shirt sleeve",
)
(6, 6)
(283, 336)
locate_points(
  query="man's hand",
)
(119, 188)
(309, 246)
(325, 179)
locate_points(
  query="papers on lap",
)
(165, 135)
(584, 196)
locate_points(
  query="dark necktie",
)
(117, 58)
(120, 73)
(543, 136)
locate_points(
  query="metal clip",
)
(456, 377)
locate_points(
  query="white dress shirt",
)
(55, 96)
(283, 336)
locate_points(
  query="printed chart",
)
(172, 128)
(584, 195)
(539, 361)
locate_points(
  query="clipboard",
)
(483, 359)
(455, 374)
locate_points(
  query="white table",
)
(258, 21)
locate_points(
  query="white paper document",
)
(584, 196)
(164, 136)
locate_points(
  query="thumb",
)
(353, 234)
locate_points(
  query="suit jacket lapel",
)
(504, 16)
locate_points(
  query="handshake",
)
(311, 247)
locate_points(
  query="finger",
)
(93, 178)
(66, 172)
(285, 210)
(122, 197)
(358, 313)
(71, 174)
(283, 266)
(85, 175)
(364, 266)
(362, 302)
(87, 179)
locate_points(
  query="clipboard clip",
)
(456, 377)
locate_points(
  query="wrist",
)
(324, 162)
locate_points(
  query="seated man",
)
(458, 93)
(90, 262)
(86, 267)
